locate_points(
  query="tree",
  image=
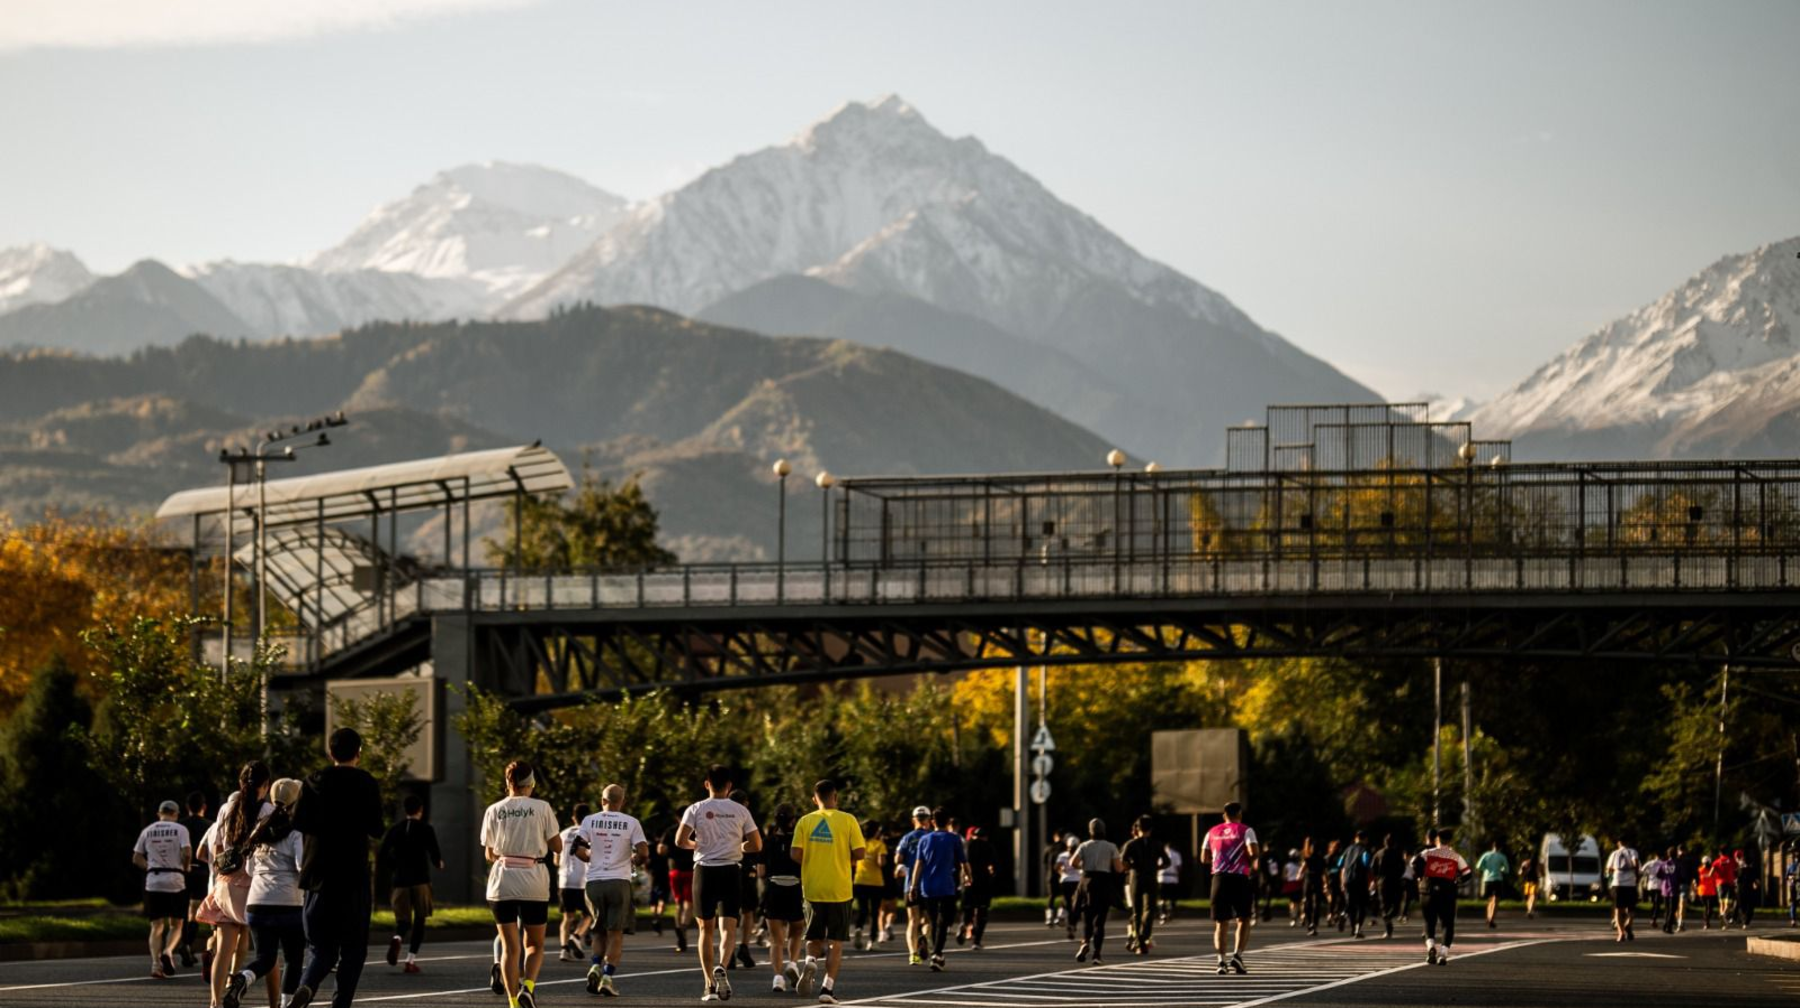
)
(600, 526)
(390, 725)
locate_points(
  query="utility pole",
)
(1021, 800)
(1437, 735)
(1719, 767)
(1468, 816)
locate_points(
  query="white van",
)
(1571, 876)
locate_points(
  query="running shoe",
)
(809, 971)
(1223, 968)
(1237, 963)
(745, 957)
(1387, 929)
(710, 995)
(962, 936)
(792, 972)
(977, 945)
(1444, 956)
(1098, 961)
(887, 934)
(156, 972)
(722, 984)
(1081, 954)
(608, 988)
(187, 957)
(828, 996)
(857, 941)
(937, 964)
(410, 967)
(1431, 954)
(168, 965)
(394, 951)
(680, 942)
(915, 959)
(234, 990)
(780, 984)
(495, 982)
(303, 996)
(526, 999)
(594, 977)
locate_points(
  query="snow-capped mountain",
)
(294, 301)
(1712, 367)
(504, 225)
(874, 198)
(37, 274)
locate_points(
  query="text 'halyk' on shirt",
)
(720, 828)
(612, 839)
(518, 829)
(829, 840)
(1230, 845)
(161, 844)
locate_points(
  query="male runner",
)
(681, 884)
(1144, 858)
(1439, 869)
(978, 895)
(1229, 852)
(1169, 882)
(827, 845)
(1725, 877)
(1531, 875)
(1493, 867)
(339, 813)
(199, 880)
(940, 866)
(905, 852)
(165, 855)
(720, 832)
(749, 901)
(1622, 869)
(1354, 877)
(571, 889)
(612, 843)
(1390, 882)
(410, 849)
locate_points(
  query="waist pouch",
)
(517, 861)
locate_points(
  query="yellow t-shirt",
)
(827, 836)
(868, 870)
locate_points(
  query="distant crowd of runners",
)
(283, 877)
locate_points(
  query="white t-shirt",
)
(1067, 868)
(1622, 865)
(518, 827)
(275, 873)
(161, 843)
(1171, 873)
(720, 827)
(571, 870)
(612, 838)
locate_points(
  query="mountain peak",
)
(38, 273)
(887, 116)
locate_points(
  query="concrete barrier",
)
(1784, 947)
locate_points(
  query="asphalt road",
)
(1521, 964)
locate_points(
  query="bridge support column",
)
(455, 809)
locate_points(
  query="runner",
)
(1648, 873)
(1334, 884)
(1229, 851)
(1492, 867)
(904, 854)
(1792, 874)
(1663, 881)
(783, 905)
(1410, 891)
(411, 850)
(1725, 877)
(827, 843)
(1389, 868)
(518, 835)
(893, 896)
(748, 901)
(1143, 859)
(339, 812)
(273, 908)
(1312, 884)
(1440, 870)
(681, 884)
(1749, 887)
(166, 855)
(199, 880)
(1354, 877)
(571, 890)
(611, 844)
(720, 832)
(227, 848)
(1168, 883)
(1293, 885)
(1622, 871)
(1098, 860)
(869, 885)
(1706, 893)
(1068, 879)
(1053, 905)
(978, 896)
(1531, 875)
(941, 866)
(658, 869)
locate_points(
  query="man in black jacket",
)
(339, 813)
(411, 849)
(1389, 866)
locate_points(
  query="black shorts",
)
(198, 882)
(1495, 888)
(526, 912)
(1230, 896)
(783, 903)
(1624, 897)
(718, 891)
(828, 921)
(747, 898)
(164, 905)
(574, 901)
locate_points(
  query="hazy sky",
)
(1433, 196)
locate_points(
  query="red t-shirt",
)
(1725, 870)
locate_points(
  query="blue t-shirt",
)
(939, 855)
(906, 852)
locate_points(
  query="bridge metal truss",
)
(552, 663)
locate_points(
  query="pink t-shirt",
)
(1230, 845)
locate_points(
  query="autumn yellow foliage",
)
(59, 577)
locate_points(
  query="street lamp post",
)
(1116, 458)
(825, 482)
(781, 469)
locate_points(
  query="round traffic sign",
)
(1042, 764)
(1040, 792)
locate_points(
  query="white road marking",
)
(1632, 955)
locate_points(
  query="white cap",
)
(921, 813)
